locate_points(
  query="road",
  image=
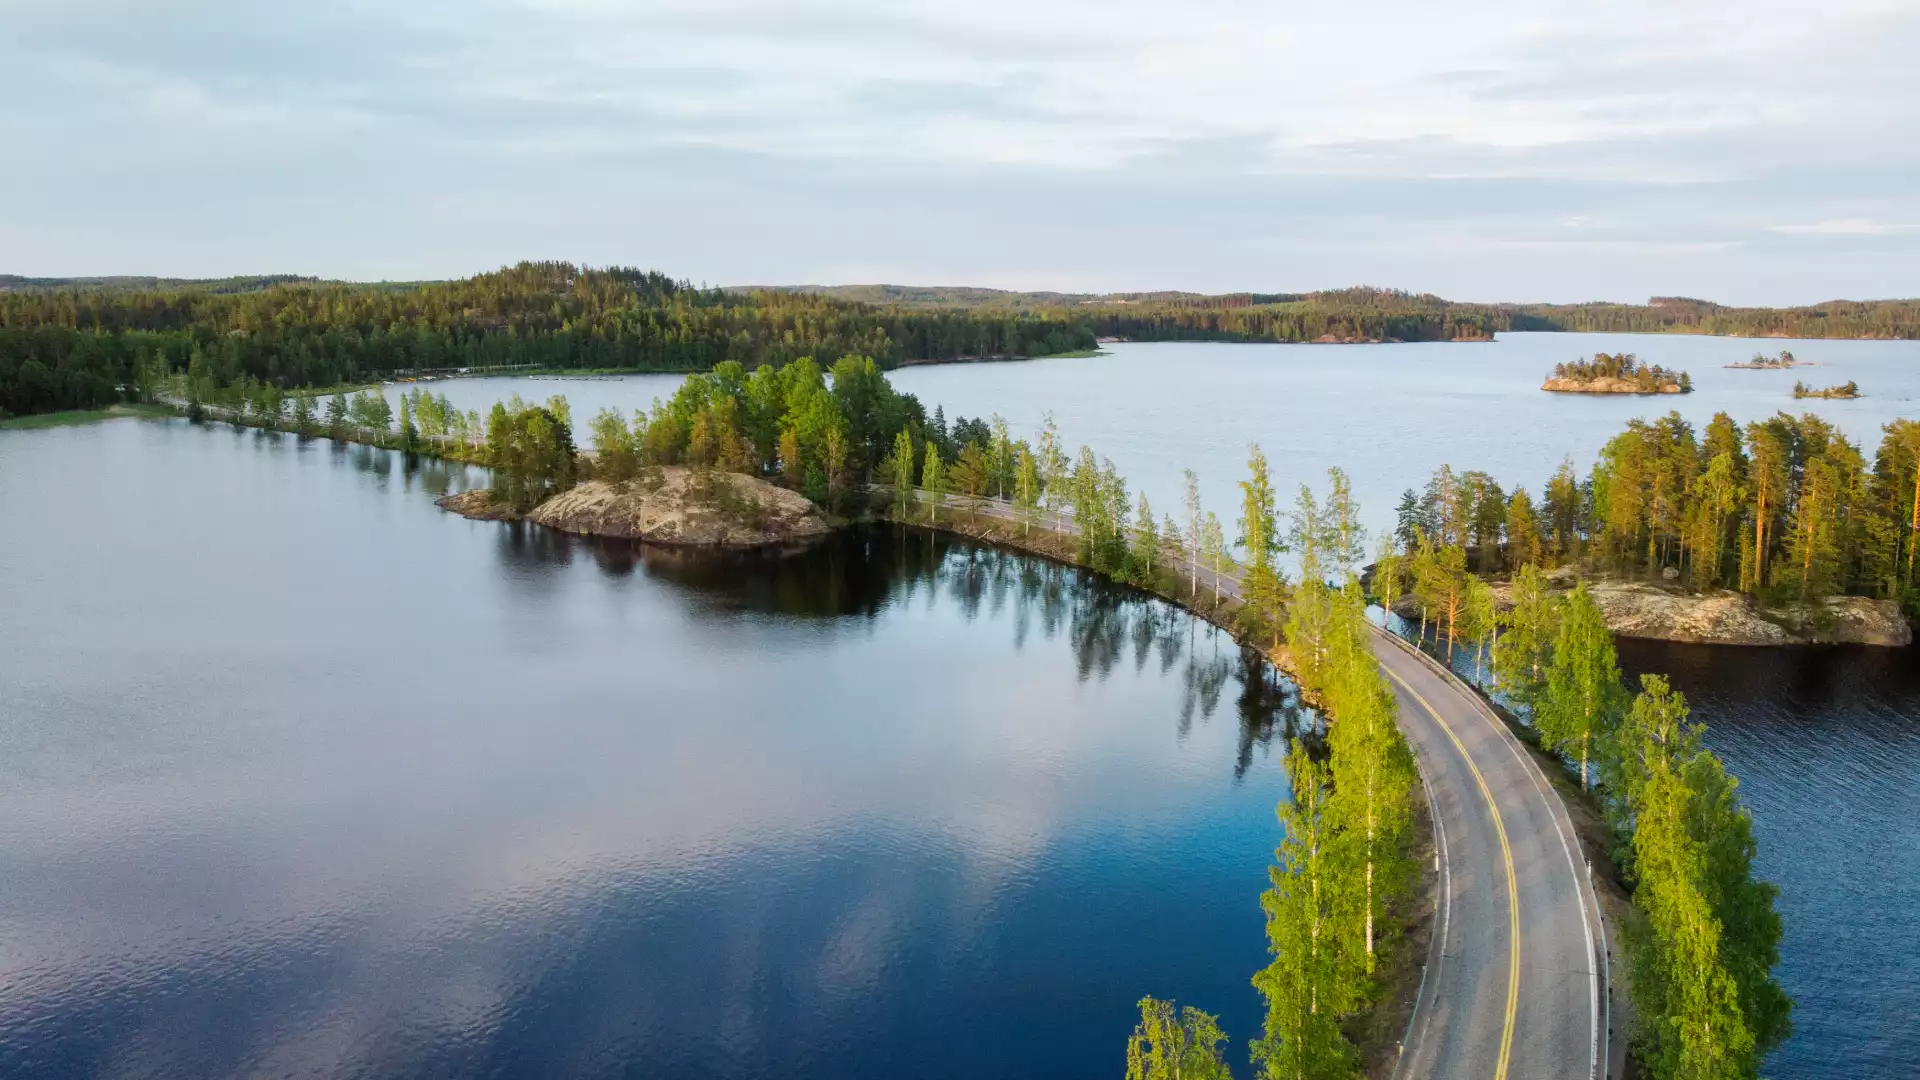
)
(1514, 986)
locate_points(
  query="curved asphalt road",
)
(1511, 989)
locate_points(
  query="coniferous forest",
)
(86, 343)
(79, 348)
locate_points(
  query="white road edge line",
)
(1443, 903)
(1594, 1061)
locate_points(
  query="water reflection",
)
(858, 573)
(459, 798)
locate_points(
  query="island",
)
(1763, 362)
(1846, 391)
(665, 504)
(1616, 373)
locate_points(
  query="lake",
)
(1387, 414)
(307, 777)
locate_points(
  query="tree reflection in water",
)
(860, 571)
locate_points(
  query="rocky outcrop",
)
(669, 505)
(1722, 618)
(1726, 618)
(1608, 386)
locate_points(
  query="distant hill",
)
(129, 283)
(1365, 313)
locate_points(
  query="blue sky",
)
(1750, 152)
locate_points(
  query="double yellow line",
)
(1513, 890)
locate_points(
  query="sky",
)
(1750, 152)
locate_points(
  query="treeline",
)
(1626, 368)
(73, 348)
(1886, 319)
(1785, 509)
(1389, 314)
(1344, 872)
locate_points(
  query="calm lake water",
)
(306, 777)
(1387, 414)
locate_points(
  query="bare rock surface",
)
(1724, 617)
(1605, 386)
(670, 505)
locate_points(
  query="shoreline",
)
(1377, 1031)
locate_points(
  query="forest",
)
(79, 348)
(1786, 510)
(1385, 314)
(83, 343)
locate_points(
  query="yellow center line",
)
(1513, 890)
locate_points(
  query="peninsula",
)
(1616, 373)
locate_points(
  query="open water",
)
(304, 776)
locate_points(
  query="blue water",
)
(306, 777)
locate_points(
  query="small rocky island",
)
(1616, 373)
(1763, 362)
(667, 504)
(1846, 391)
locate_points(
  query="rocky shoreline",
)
(1608, 386)
(669, 504)
(1723, 617)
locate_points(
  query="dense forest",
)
(1385, 314)
(1786, 510)
(76, 348)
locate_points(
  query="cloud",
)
(754, 140)
(1846, 227)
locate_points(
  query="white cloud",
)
(1846, 227)
(967, 144)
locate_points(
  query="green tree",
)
(1261, 584)
(613, 447)
(1309, 985)
(1026, 488)
(1524, 651)
(1523, 531)
(1584, 698)
(303, 414)
(1175, 1044)
(972, 473)
(898, 469)
(1146, 542)
(337, 416)
(1371, 765)
(1191, 501)
(933, 478)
